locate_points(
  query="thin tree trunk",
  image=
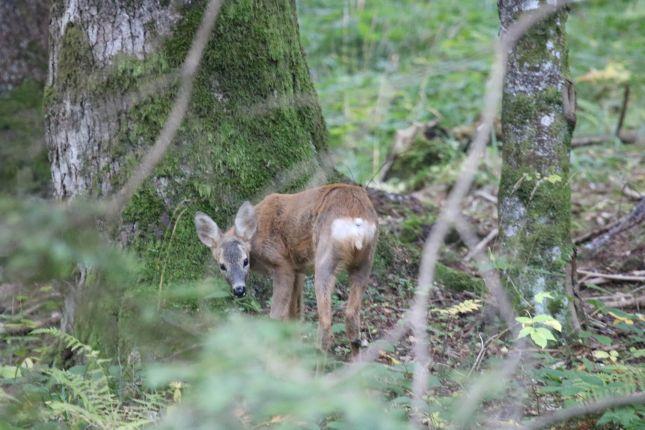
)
(253, 114)
(538, 116)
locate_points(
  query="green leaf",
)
(524, 320)
(539, 339)
(604, 340)
(539, 297)
(525, 332)
(553, 179)
(600, 354)
(546, 333)
(591, 379)
(548, 320)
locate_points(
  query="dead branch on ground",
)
(597, 407)
(636, 217)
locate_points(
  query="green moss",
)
(457, 280)
(75, 60)
(534, 193)
(253, 115)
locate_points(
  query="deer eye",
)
(222, 267)
(246, 262)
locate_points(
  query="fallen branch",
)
(621, 301)
(636, 217)
(613, 277)
(582, 410)
(626, 137)
(593, 234)
(481, 245)
(486, 196)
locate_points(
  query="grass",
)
(381, 65)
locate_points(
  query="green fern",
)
(69, 341)
(82, 396)
(596, 383)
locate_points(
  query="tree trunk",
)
(253, 115)
(538, 117)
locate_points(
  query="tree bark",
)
(253, 115)
(538, 117)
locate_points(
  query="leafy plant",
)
(538, 328)
(591, 382)
(83, 395)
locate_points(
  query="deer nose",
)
(239, 290)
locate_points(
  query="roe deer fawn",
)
(285, 235)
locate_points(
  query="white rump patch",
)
(356, 230)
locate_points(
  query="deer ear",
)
(207, 230)
(245, 221)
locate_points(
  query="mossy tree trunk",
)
(113, 74)
(538, 116)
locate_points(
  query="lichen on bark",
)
(534, 193)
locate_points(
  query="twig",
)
(581, 410)
(623, 110)
(479, 355)
(155, 154)
(481, 245)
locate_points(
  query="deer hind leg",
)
(358, 278)
(324, 282)
(295, 306)
(283, 284)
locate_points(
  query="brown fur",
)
(294, 235)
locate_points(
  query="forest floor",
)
(387, 67)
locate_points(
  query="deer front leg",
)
(295, 307)
(283, 284)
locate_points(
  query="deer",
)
(329, 228)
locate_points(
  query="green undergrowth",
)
(24, 167)
(379, 66)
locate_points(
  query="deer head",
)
(230, 250)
